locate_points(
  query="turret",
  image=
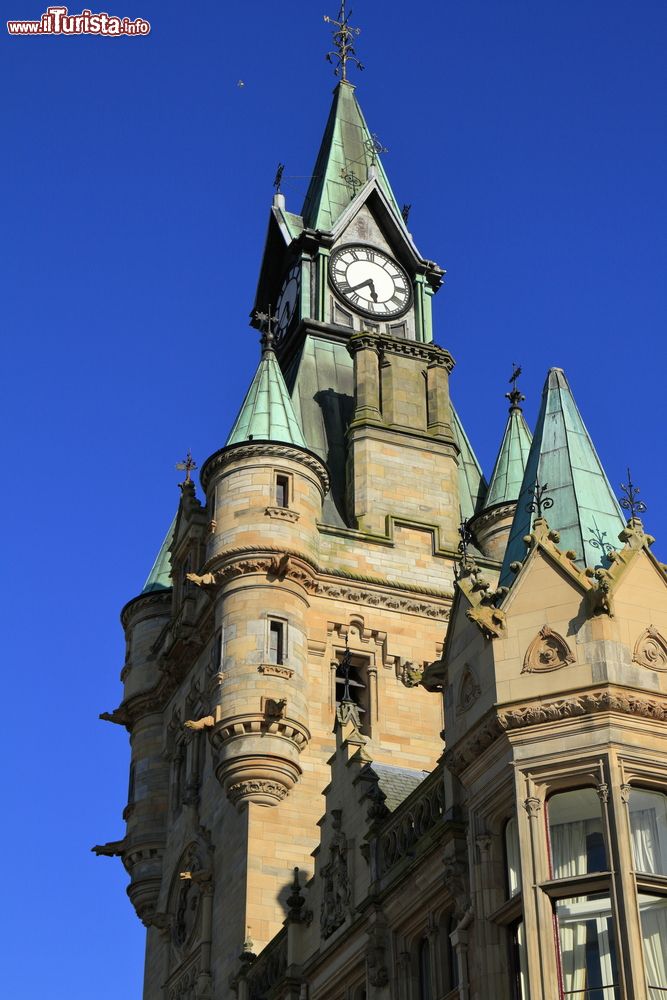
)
(491, 526)
(265, 489)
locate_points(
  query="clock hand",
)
(371, 285)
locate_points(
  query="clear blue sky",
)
(136, 181)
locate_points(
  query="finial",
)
(466, 539)
(540, 501)
(515, 397)
(342, 39)
(267, 322)
(345, 665)
(188, 465)
(405, 212)
(278, 179)
(630, 501)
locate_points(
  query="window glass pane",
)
(519, 982)
(276, 653)
(587, 948)
(648, 828)
(653, 914)
(575, 833)
(424, 971)
(513, 857)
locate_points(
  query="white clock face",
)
(370, 281)
(287, 300)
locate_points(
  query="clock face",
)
(370, 281)
(287, 300)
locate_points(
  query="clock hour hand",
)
(371, 285)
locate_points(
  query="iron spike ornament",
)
(343, 36)
(344, 665)
(597, 539)
(630, 501)
(540, 501)
(466, 538)
(188, 465)
(405, 212)
(515, 396)
(375, 146)
(266, 322)
(278, 179)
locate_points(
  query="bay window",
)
(648, 834)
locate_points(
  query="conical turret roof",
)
(562, 457)
(344, 162)
(508, 472)
(159, 577)
(267, 413)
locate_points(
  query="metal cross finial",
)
(630, 501)
(352, 181)
(343, 35)
(267, 322)
(188, 465)
(278, 179)
(540, 501)
(515, 396)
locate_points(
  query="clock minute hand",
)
(371, 285)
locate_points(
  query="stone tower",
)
(315, 569)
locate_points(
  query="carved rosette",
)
(651, 650)
(548, 651)
(469, 691)
(258, 757)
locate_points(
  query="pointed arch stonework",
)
(548, 651)
(651, 650)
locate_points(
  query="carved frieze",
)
(275, 670)
(651, 650)
(256, 789)
(548, 651)
(282, 513)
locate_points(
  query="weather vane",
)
(188, 465)
(630, 501)
(515, 396)
(343, 36)
(540, 501)
(266, 321)
(278, 179)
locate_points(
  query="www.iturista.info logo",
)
(58, 21)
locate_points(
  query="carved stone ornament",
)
(411, 674)
(282, 513)
(194, 878)
(275, 670)
(469, 691)
(548, 651)
(490, 620)
(257, 790)
(336, 888)
(651, 650)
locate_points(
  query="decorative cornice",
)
(271, 449)
(378, 599)
(282, 513)
(491, 514)
(256, 723)
(500, 721)
(155, 603)
(431, 353)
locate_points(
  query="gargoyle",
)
(207, 580)
(279, 565)
(206, 723)
(489, 619)
(200, 875)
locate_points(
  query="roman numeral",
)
(397, 300)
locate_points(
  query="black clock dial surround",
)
(369, 281)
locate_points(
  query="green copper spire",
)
(267, 413)
(507, 475)
(563, 459)
(159, 577)
(348, 157)
(472, 484)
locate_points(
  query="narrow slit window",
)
(276, 642)
(282, 491)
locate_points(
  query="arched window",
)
(586, 938)
(512, 857)
(424, 958)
